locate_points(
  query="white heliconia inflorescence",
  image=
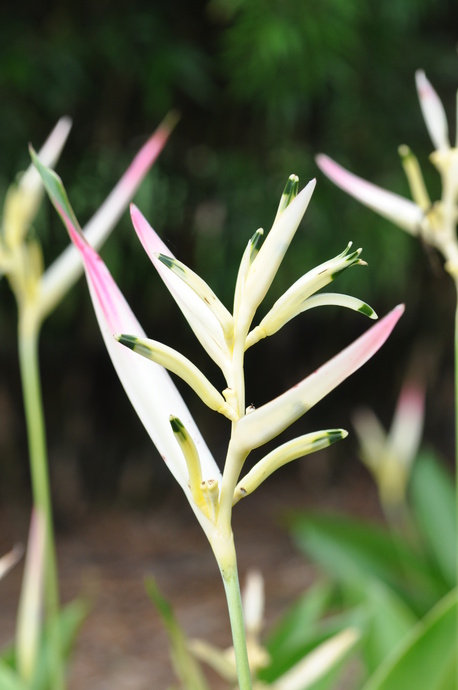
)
(434, 221)
(225, 337)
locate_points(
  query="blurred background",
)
(262, 86)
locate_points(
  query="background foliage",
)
(262, 86)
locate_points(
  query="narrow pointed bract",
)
(202, 320)
(433, 112)
(202, 290)
(297, 298)
(392, 206)
(289, 451)
(266, 422)
(265, 266)
(180, 365)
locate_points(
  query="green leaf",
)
(70, 620)
(286, 643)
(433, 503)
(354, 552)
(388, 621)
(309, 623)
(427, 658)
(9, 680)
(186, 667)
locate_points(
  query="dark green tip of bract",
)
(335, 435)
(366, 309)
(127, 340)
(257, 238)
(291, 189)
(166, 260)
(177, 426)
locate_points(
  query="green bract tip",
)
(177, 426)
(366, 309)
(127, 340)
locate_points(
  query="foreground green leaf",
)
(427, 658)
(9, 679)
(433, 504)
(185, 666)
(353, 552)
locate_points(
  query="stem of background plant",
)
(28, 360)
(224, 551)
(456, 404)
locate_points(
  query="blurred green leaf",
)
(427, 659)
(186, 667)
(9, 680)
(304, 614)
(388, 621)
(433, 503)
(299, 635)
(70, 620)
(353, 552)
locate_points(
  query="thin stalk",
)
(227, 562)
(31, 387)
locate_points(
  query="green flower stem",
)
(31, 386)
(224, 551)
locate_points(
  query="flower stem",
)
(227, 561)
(31, 387)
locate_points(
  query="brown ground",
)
(122, 645)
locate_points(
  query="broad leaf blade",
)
(433, 503)
(427, 658)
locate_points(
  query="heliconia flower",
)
(434, 222)
(390, 456)
(156, 399)
(148, 386)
